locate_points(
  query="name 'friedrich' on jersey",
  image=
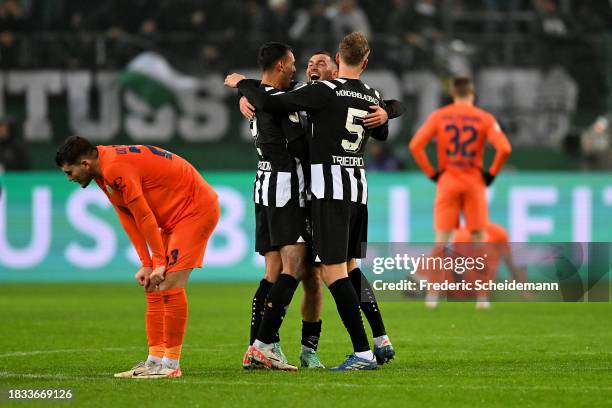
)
(338, 137)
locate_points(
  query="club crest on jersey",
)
(118, 184)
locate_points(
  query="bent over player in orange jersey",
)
(461, 130)
(163, 204)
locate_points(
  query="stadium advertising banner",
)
(52, 230)
(54, 103)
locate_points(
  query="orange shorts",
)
(186, 244)
(455, 195)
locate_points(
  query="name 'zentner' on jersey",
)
(338, 137)
(281, 146)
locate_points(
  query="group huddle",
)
(310, 196)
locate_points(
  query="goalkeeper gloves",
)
(487, 177)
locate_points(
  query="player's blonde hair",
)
(354, 49)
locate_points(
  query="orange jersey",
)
(461, 131)
(497, 243)
(151, 189)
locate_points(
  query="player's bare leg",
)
(312, 303)
(383, 349)
(336, 278)
(293, 259)
(442, 237)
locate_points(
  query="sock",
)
(154, 322)
(257, 308)
(276, 306)
(263, 346)
(175, 322)
(368, 355)
(154, 359)
(368, 303)
(347, 304)
(381, 341)
(311, 331)
(170, 363)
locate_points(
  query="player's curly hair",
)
(74, 149)
(354, 48)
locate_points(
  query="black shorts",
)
(339, 230)
(276, 227)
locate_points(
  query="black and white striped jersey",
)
(281, 149)
(338, 138)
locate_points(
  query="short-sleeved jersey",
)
(172, 187)
(461, 131)
(337, 136)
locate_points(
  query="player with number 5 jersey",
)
(166, 206)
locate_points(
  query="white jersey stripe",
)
(336, 171)
(257, 186)
(264, 187)
(364, 182)
(317, 181)
(351, 173)
(331, 85)
(283, 188)
(301, 186)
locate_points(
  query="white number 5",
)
(355, 127)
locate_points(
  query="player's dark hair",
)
(461, 87)
(354, 48)
(331, 58)
(74, 149)
(270, 53)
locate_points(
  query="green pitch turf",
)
(516, 354)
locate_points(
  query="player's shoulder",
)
(372, 91)
(272, 90)
(483, 113)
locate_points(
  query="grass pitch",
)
(516, 354)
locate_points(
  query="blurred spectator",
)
(554, 33)
(311, 28)
(13, 155)
(279, 18)
(596, 144)
(382, 158)
(346, 16)
(12, 24)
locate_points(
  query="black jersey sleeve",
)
(297, 144)
(394, 108)
(382, 132)
(310, 97)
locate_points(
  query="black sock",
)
(311, 331)
(367, 302)
(257, 308)
(276, 306)
(348, 308)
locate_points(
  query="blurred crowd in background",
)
(200, 36)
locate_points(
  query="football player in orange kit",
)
(163, 203)
(461, 130)
(498, 249)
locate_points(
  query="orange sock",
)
(175, 321)
(155, 324)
